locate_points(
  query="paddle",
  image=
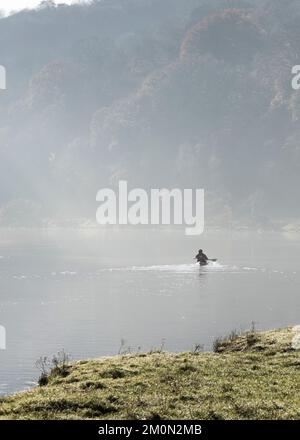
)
(209, 259)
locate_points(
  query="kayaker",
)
(201, 257)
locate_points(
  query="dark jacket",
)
(201, 257)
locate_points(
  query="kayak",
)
(205, 263)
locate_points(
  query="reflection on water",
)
(84, 292)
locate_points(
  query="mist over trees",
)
(173, 93)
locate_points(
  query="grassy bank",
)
(252, 376)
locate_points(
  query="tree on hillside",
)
(230, 35)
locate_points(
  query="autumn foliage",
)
(231, 35)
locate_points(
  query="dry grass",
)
(251, 377)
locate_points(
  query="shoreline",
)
(254, 375)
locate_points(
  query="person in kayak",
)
(201, 258)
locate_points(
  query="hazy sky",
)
(13, 5)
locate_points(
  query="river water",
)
(90, 292)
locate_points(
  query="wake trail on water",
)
(183, 268)
(177, 268)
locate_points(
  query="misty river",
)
(86, 291)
